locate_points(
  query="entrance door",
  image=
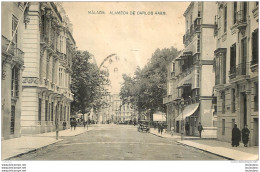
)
(243, 112)
(256, 131)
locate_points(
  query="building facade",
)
(12, 66)
(49, 46)
(236, 68)
(190, 97)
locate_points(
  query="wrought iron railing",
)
(5, 44)
(240, 69)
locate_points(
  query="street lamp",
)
(182, 120)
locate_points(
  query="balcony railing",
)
(254, 62)
(13, 50)
(240, 69)
(197, 24)
(5, 44)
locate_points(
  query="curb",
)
(206, 151)
(30, 151)
(196, 148)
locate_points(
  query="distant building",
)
(49, 46)
(12, 66)
(236, 68)
(191, 74)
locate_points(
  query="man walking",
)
(236, 136)
(187, 128)
(200, 128)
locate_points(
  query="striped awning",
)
(188, 111)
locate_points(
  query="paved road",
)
(117, 142)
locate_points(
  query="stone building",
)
(236, 68)
(49, 46)
(191, 76)
(12, 66)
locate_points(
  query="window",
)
(255, 47)
(12, 126)
(223, 126)
(47, 66)
(198, 13)
(15, 82)
(256, 97)
(233, 100)
(52, 106)
(235, 13)
(244, 11)
(46, 110)
(225, 19)
(53, 70)
(60, 76)
(233, 59)
(244, 57)
(220, 63)
(39, 110)
(14, 30)
(223, 102)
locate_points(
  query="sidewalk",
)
(223, 149)
(29, 143)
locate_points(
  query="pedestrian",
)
(172, 130)
(245, 135)
(236, 136)
(64, 124)
(71, 124)
(187, 128)
(75, 125)
(200, 128)
(161, 128)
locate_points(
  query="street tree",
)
(146, 89)
(88, 84)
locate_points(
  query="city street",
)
(117, 142)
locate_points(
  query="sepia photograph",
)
(175, 81)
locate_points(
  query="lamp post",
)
(182, 120)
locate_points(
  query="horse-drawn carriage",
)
(143, 126)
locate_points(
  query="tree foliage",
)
(147, 87)
(88, 84)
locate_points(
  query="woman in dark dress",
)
(236, 136)
(245, 135)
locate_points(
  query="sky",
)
(132, 37)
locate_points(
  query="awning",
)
(188, 111)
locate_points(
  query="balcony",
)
(238, 72)
(197, 24)
(254, 65)
(241, 20)
(17, 54)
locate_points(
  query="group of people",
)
(160, 128)
(236, 136)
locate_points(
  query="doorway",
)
(243, 112)
(255, 132)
